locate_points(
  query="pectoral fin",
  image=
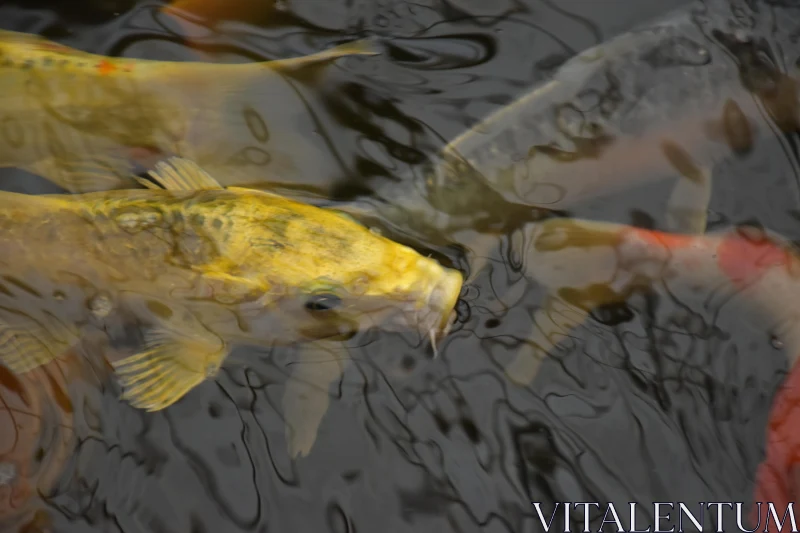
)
(97, 173)
(306, 398)
(687, 206)
(179, 174)
(21, 351)
(34, 343)
(172, 363)
(553, 321)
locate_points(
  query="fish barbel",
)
(201, 268)
(85, 122)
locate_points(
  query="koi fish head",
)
(327, 275)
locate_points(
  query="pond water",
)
(662, 397)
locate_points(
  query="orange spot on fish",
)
(745, 260)
(105, 67)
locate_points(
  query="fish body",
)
(777, 479)
(201, 268)
(86, 122)
(588, 264)
(692, 89)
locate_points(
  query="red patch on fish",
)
(778, 476)
(744, 260)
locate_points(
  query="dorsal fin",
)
(179, 174)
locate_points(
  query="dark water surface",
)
(661, 399)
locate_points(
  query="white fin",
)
(687, 206)
(306, 397)
(553, 321)
(179, 174)
(171, 365)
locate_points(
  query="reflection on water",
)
(658, 379)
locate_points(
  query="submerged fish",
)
(86, 121)
(697, 84)
(36, 435)
(778, 476)
(202, 268)
(212, 11)
(673, 99)
(586, 265)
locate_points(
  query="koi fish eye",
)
(323, 302)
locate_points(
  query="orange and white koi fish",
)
(585, 264)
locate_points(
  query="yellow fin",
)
(179, 174)
(306, 397)
(147, 183)
(171, 365)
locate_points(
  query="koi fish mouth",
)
(440, 314)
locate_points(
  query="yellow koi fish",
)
(202, 268)
(86, 121)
